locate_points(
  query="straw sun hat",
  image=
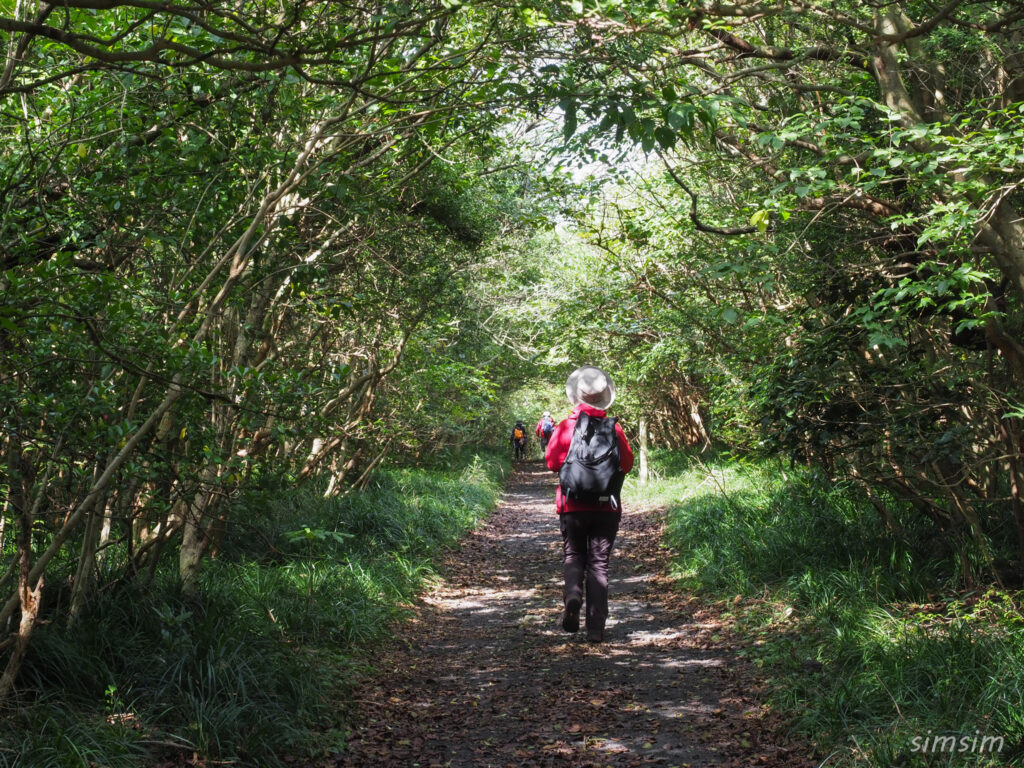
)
(591, 386)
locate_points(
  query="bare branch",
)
(694, 217)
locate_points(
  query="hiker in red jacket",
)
(545, 428)
(588, 525)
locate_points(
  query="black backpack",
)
(591, 469)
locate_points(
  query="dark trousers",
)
(587, 539)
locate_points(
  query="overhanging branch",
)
(694, 217)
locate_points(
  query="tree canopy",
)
(252, 246)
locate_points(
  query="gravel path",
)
(484, 676)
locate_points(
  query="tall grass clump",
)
(254, 671)
(872, 645)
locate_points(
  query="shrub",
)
(870, 645)
(255, 670)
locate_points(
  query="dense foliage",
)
(249, 249)
(824, 245)
(237, 251)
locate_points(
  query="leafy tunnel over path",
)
(483, 675)
(258, 250)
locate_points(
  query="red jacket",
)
(558, 449)
(540, 427)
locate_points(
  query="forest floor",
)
(484, 676)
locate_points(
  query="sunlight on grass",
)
(255, 671)
(873, 649)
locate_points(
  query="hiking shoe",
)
(571, 617)
(595, 635)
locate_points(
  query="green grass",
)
(868, 638)
(256, 671)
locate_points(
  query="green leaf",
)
(680, 117)
(666, 138)
(760, 219)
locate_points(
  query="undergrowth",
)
(873, 648)
(255, 672)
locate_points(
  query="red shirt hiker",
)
(588, 527)
(558, 449)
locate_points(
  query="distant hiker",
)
(592, 456)
(545, 428)
(518, 440)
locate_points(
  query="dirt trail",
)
(485, 677)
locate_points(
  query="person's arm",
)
(558, 447)
(625, 452)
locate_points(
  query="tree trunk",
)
(1011, 437)
(195, 539)
(28, 598)
(98, 488)
(85, 576)
(190, 556)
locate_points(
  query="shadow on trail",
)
(485, 676)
